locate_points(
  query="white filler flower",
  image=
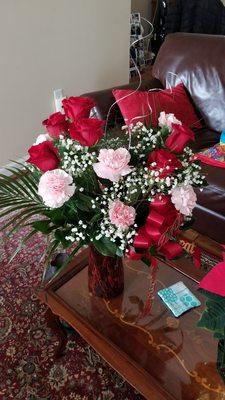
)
(167, 120)
(43, 137)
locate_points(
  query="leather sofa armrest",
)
(104, 99)
(204, 138)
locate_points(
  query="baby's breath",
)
(75, 158)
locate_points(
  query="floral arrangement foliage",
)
(126, 192)
(212, 286)
(213, 319)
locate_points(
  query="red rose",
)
(56, 124)
(87, 131)
(77, 107)
(164, 162)
(44, 156)
(179, 137)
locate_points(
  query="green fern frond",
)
(19, 192)
(22, 243)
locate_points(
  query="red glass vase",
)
(105, 275)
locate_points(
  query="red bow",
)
(162, 224)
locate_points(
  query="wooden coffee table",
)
(161, 356)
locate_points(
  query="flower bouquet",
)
(124, 194)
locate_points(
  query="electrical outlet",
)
(58, 97)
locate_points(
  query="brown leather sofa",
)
(197, 61)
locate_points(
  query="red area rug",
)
(28, 367)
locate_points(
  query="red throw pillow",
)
(146, 106)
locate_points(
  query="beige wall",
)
(77, 45)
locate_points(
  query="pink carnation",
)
(121, 215)
(56, 187)
(184, 199)
(167, 120)
(112, 164)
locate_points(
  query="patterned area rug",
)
(28, 367)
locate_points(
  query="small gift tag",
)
(178, 298)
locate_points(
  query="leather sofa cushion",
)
(197, 61)
(209, 223)
(213, 195)
(210, 210)
(204, 138)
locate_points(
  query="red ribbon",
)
(162, 224)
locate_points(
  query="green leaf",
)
(211, 296)
(153, 251)
(219, 335)
(94, 219)
(147, 261)
(106, 247)
(42, 226)
(56, 216)
(105, 182)
(133, 197)
(165, 132)
(84, 202)
(71, 213)
(206, 321)
(119, 252)
(60, 236)
(213, 318)
(88, 180)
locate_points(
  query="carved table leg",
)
(58, 329)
